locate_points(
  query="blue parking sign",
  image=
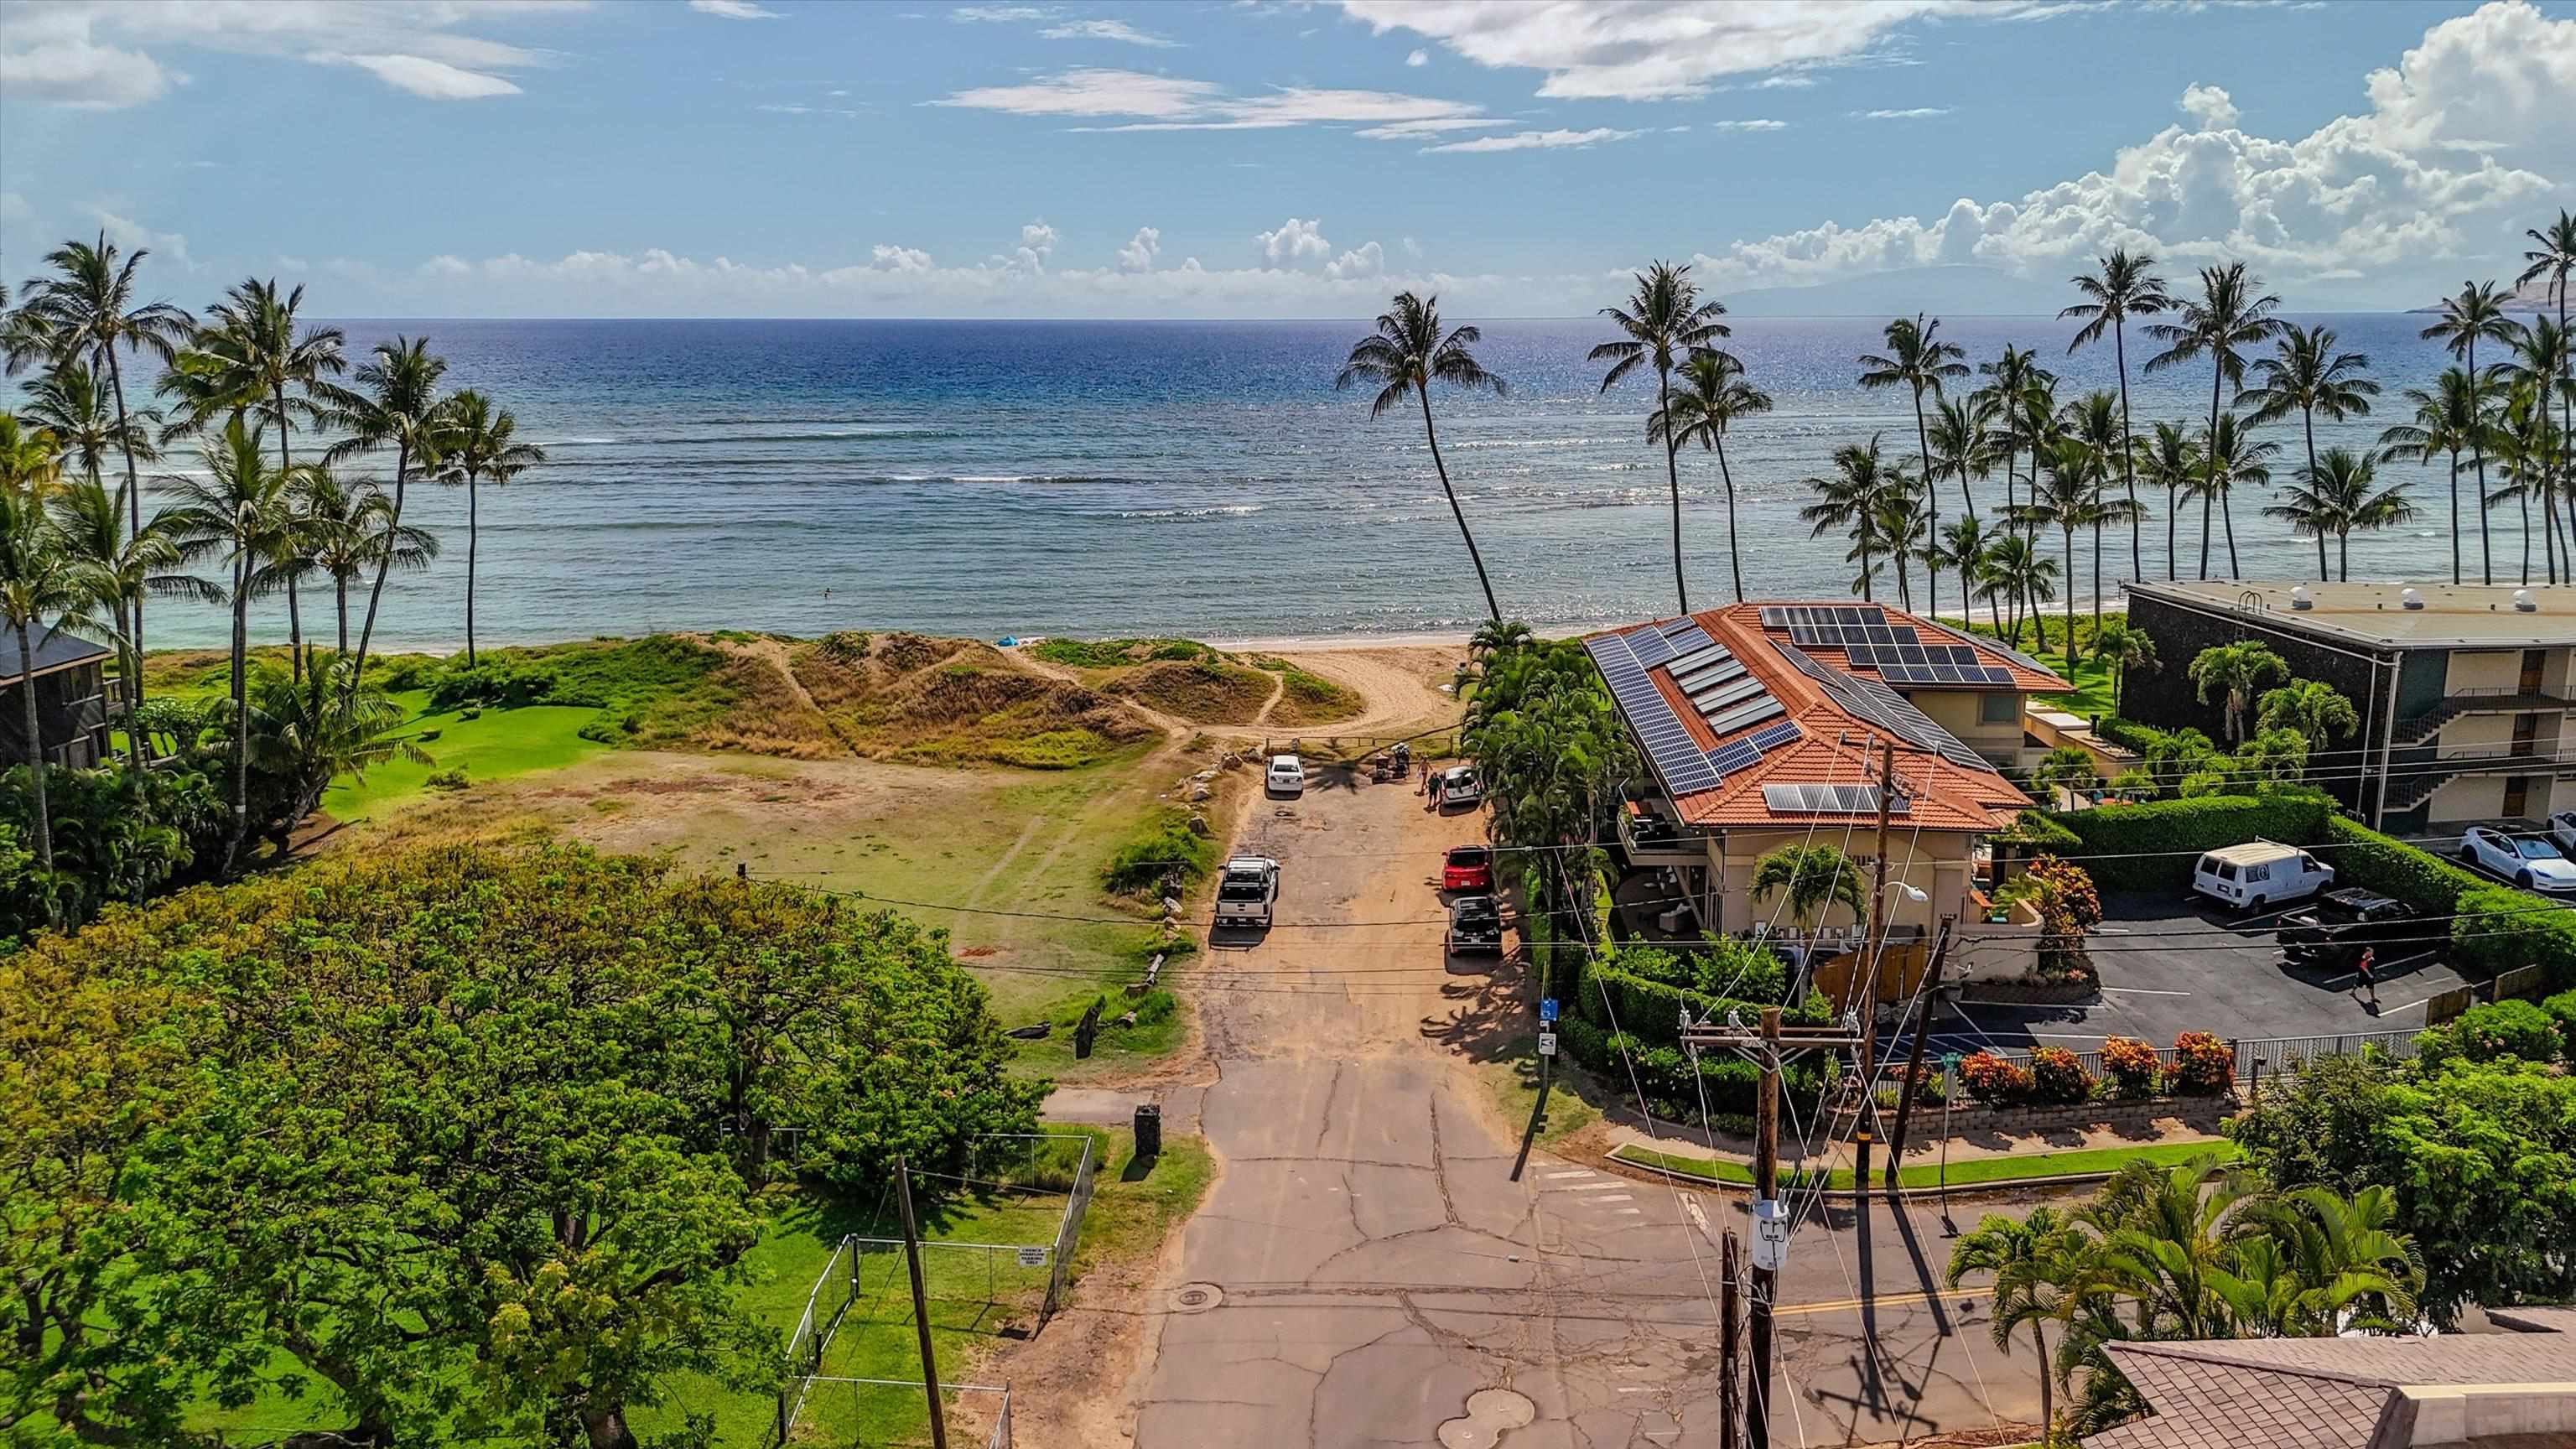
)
(1547, 1009)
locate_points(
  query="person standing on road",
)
(2369, 978)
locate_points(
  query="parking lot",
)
(2171, 964)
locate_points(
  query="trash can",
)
(1149, 1129)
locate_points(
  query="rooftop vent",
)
(2300, 598)
(2412, 598)
(2524, 603)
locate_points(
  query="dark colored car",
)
(1468, 868)
(2330, 932)
(1475, 924)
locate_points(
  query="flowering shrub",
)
(2071, 889)
(1992, 1081)
(2132, 1064)
(2056, 1076)
(2068, 907)
(2203, 1066)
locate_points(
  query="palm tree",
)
(2009, 376)
(1917, 358)
(1896, 533)
(2120, 287)
(2347, 484)
(2541, 367)
(242, 512)
(118, 568)
(2236, 671)
(1963, 548)
(307, 732)
(2228, 316)
(485, 447)
(2477, 312)
(2016, 569)
(2553, 255)
(349, 527)
(41, 587)
(2313, 707)
(2067, 496)
(2527, 448)
(2306, 375)
(1664, 320)
(1815, 877)
(2447, 421)
(397, 403)
(1852, 499)
(2121, 647)
(2029, 1258)
(31, 460)
(2170, 457)
(2229, 458)
(1404, 357)
(1714, 395)
(1961, 449)
(246, 356)
(67, 403)
(2095, 422)
(2339, 1251)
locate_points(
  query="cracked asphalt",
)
(1375, 1263)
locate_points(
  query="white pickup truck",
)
(1246, 892)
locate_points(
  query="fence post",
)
(2254, 1096)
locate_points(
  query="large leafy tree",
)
(2119, 287)
(1551, 749)
(1715, 396)
(1406, 354)
(2231, 314)
(2235, 673)
(1918, 360)
(2476, 314)
(485, 448)
(1665, 321)
(2447, 423)
(396, 405)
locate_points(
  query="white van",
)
(2259, 873)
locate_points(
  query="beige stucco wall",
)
(2472, 799)
(1938, 863)
(1960, 714)
(2479, 671)
(2477, 734)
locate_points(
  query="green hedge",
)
(2127, 734)
(2154, 845)
(2364, 857)
(1652, 1010)
(2500, 928)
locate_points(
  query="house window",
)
(1999, 709)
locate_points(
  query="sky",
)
(1185, 159)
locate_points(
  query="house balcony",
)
(1649, 838)
(2497, 700)
(2414, 774)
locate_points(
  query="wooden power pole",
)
(1866, 999)
(920, 1305)
(1929, 996)
(1730, 1403)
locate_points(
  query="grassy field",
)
(497, 745)
(1967, 1172)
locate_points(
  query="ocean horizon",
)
(990, 477)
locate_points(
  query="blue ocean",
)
(992, 478)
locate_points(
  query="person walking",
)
(2369, 978)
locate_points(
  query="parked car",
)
(2330, 933)
(1246, 892)
(2259, 873)
(1287, 775)
(1468, 868)
(1459, 786)
(2562, 829)
(2527, 860)
(1475, 925)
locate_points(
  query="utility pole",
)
(1865, 1114)
(1770, 1215)
(920, 1305)
(1929, 995)
(1730, 1404)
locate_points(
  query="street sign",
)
(1547, 1009)
(1033, 1257)
(1949, 1061)
(1547, 1043)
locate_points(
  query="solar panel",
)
(1707, 675)
(1691, 659)
(1864, 656)
(1650, 647)
(1989, 674)
(1752, 711)
(1676, 757)
(1993, 646)
(1829, 800)
(1903, 634)
(1784, 733)
(1728, 758)
(1725, 695)
(1686, 636)
(1774, 617)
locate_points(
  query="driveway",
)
(2171, 964)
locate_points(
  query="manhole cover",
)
(1491, 1413)
(1196, 1297)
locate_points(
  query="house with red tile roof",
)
(1762, 724)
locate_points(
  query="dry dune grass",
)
(1202, 691)
(910, 697)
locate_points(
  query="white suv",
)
(1459, 786)
(2527, 860)
(1287, 776)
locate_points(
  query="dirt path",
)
(1401, 684)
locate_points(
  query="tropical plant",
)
(2177, 756)
(2553, 255)
(396, 404)
(2478, 312)
(2307, 376)
(2170, 459)
(66, 402)
(2230, 314)
(1917, 359)
(2092, 421)
(2028, 1256)
(2069, 768)
(305, 732)
(347, 527)
(1961, 448)
(2336, 495)
(2236, 672)
(2016, 569)
(1854, 499)
(1964, 548)
(1810, 879)
(2123, 647)
(2012, 374)
(1551, 751)
(1895, 533)
(484, 448)
(2230, 458)
(41, 591)
(2530, 452)
(85, 308)
(2067, 496)
(1665, 321)
(2313, 707)
(2120, 286)
(1715, 395)
(2272, 756)
(117, 569)
(2448, 421)
(31, 459)
(1406, 354)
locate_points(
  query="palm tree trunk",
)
(2128, 450)
(473, 535)
(241, 713)
(2523, 497)
(2047, 1400)
(1865, 579)
(1932, 507)
(2204, 528)
(2455, 517)
(133, 495)
(2070, 603)
(1672, 477)
(35, 749)
(2097, 593)
(340, 587)
(1491, 607)
(2478, 454)
(2217, 375)
(2173, 514)
(2343, 558)
(1734, 558)
(294, 606)
(393, 530)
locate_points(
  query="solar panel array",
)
(1821, 616)
(1678, 760)
(1829, 800)
(1851, 636)
(1909, 663)
(2006, 650)
(1727, 696)
(1877, 704)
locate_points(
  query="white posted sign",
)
(1547, 1043)
(1033, 1257)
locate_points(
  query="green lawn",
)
(495, 745)
(1967, 1172)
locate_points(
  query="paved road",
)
(1367, 1272)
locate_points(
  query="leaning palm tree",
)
(2229, 458)
(1916, 359)
(2341, 494)
(396, 404)
(1962, 448)
(1714, 396)
(2553, 255)
(2030, 1258)
(2478, 312)
(67, 402)
(2008, 377)
(2446, 423)
(1851, 500)
(118, 568)
(349, 527)
(2307, 376)
(42, 592)
(241, 512)
(1665, 321)
(485, 449)
(1406, 354)
(2227, 317)
(2120, 287)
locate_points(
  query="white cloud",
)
(900, 259)
(77, 73)
(1138, 254)
(1093, 92)
(1754, 125)
(1911, 113)
(1792, 81)
(732, 9)
(1658, 49)
(808, 111)
(1418, 58)
(134, 236)
(1412, 248)
(435, 79)
(1414, 130)
(1145, 102)
(2210, 106)
(1294, 244)
(447, 265)
(1037, 243)
(1535, 140)
(106, 53)
(1366, 260)
(1117, 30)
(997, 14)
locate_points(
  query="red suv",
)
(1468, 868)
